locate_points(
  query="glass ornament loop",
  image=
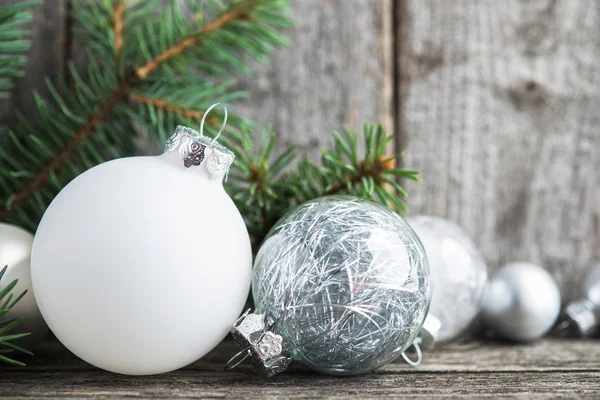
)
(237, 359)
(419, 359)
(222, 124)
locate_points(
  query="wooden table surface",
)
(548, 368)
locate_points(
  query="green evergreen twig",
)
(13, 43)
(265, 187)
(6, 325)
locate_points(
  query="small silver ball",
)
(521, 302)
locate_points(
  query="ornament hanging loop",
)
(238, 358)
(222, 124)
(417, 362)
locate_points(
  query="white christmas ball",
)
(458, 274)
(141, 265)
(15, 252)
(522, 301)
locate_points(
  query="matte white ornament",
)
(521, 302)
(15, 251)
(458, 274)
(141, 265)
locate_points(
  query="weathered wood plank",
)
(550, 367)
(45, 58)
(499, 109)
(472, 356)
(337, 71)
(198, 384)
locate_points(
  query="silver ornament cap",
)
(264, 347)
(583, 314)
(194, 147)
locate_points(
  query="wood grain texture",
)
(499, 109)
(564, 369)
(45, 57)
(336, 71)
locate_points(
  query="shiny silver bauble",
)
(15, 252)
(521, 302)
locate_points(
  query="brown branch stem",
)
(145, 70)
(118, 27)
(136, 98)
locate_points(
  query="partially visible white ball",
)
(15, 251)
(522, 301)
(458, 273)
(141, 265)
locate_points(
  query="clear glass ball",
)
(458, 272)
(345, 281)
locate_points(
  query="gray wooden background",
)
(497, 102)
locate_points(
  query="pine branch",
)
(374, 172)
(342, 171)
(182, 103)
(142, 67)
(265, 187)
(152, 65)
(6, 325)
(12, 43)
(84, 132)
(257, 183)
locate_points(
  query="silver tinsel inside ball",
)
(346, 283)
